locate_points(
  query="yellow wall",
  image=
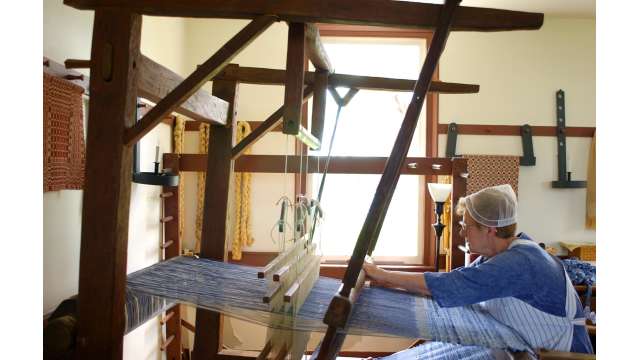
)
(67, 34)
(519, 74)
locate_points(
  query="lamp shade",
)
(439, 192)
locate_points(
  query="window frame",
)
(431, 140)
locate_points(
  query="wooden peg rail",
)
(58, 70)
(514, 130)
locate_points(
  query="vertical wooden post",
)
(429, 256)
(458, 168)
(321, 79)
(208, 336)
(107, 191)
(294, 80)
(172, 233)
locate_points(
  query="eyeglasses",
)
(464, 226)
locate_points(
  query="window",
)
(368, 127)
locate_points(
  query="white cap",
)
(494, 206)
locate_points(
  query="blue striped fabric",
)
(140, 307)
(443, 351)
(235, 290)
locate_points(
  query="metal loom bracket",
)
(564, 176)
(527, 159)
(452, 139)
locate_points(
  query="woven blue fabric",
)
(443, 351)
(140, 307)
(235, 290)
(580, 272)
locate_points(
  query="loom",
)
(118, 75)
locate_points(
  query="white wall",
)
(519, 73)
(67, 34)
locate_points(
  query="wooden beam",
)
(156, 82)
(319, 103)
(315, 50)
(201, 75)
(337, 165)
(207, 342)
(294, 79)
(268, 125)
(262, 76)
(400, 14)
(172, 238)
(456, 256)
(378, 83)
(514, 130)
(107, 187)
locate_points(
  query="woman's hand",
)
(373, 271)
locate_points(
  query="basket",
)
(584, 252)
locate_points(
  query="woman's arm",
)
(410, 281)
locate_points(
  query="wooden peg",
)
(77, 64)
(166, 244)
(166, 194)
(166, 343)
(187, 325)
(74, 77)
(166, 219)
(166, 318)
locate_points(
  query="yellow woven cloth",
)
(591, 187)
(202, 181)
(242, 229)
(445, 240)
(178, 148)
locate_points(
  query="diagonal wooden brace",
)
(201, 75)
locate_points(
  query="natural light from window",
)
(368, 126)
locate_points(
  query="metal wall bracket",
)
(156, 177)
(452, 139)
(527, 158)
(564, 177)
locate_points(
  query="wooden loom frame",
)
(456, 167)
(116, 67)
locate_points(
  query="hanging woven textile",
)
(591, 186)
(202, 183)
(178, 148)
(492, 170)
(242, 229)
(63, 135)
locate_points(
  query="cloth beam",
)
(236, 291)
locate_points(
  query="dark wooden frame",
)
(115, 60)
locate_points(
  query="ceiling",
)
(559, 8)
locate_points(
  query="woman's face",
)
(477, 235)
